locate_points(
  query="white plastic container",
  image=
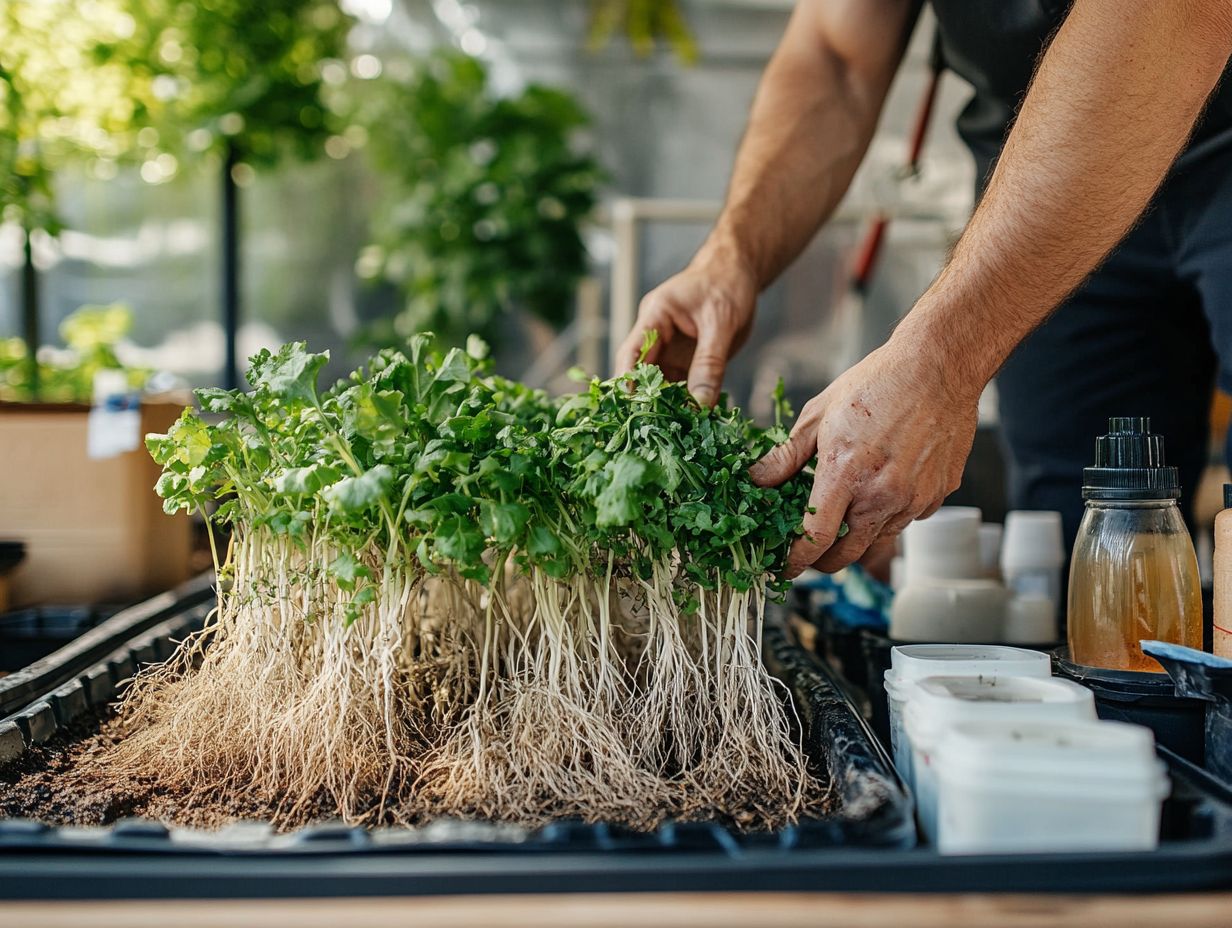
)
(938, 703)
(967, 611)
(990, 550)
(1048, 787)
(912, 662)
(1032, 553)
(1031, 618)
(945, 546)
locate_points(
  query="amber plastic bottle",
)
(1134, 574)
(1222, 639)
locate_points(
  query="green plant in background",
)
(158, 82)
(645, 22)
(485, 201)
(92, 334)
(248, 80)
(244, 75)
(66, 96)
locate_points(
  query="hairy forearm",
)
(1112, 103)
(811, 122)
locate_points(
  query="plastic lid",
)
(914, 661)
(936, 703)
(1030, 754)
(1129, 464)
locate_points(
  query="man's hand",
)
(814, 115)
(702, 316)
(891, 436)
(1109, 108)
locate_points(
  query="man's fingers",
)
(631, 348)
(828, 503)
(709, 362)
(784, 461)
(851, 547)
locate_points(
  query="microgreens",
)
(465, 468)
(452, 594)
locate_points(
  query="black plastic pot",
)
(1148, 699)
(28, 635)
(1206, 678)
(11, 554)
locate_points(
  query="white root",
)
(524, 700)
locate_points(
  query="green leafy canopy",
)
(430, 457)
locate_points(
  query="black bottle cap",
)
(1129, 464)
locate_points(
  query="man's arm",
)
(811, 122)
(1112, 104)
(1114, 99)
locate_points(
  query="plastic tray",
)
(868, 844)
(30, 634)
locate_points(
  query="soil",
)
(66, 782)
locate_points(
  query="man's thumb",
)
(782, 461)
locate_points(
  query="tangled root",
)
(527, 700)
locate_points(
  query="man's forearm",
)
(811, 122)
(1113, 102)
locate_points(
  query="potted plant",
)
(93, 530)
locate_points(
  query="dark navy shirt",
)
(996, 44)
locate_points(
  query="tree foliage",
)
(486, 199)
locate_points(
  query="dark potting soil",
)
(68, 782)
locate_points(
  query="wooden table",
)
(701, 910)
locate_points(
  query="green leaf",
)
(503, 522)
(543, 542)
(308, 479)
(460, 541)
(186, 442)
(378, 415)
(348, 571)
(291, 374)
(353, 495)
(219, 401)
(476, 347)
(618, 503)
(648, 341)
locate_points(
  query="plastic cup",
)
(945, 546)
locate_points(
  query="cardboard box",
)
(94, 529)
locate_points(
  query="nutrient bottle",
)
(1222, 638)
(1134, 574)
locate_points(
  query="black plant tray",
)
(867, 844)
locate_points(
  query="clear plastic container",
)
(1134, 573)
(1134, 577)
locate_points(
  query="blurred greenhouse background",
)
(517, 167)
